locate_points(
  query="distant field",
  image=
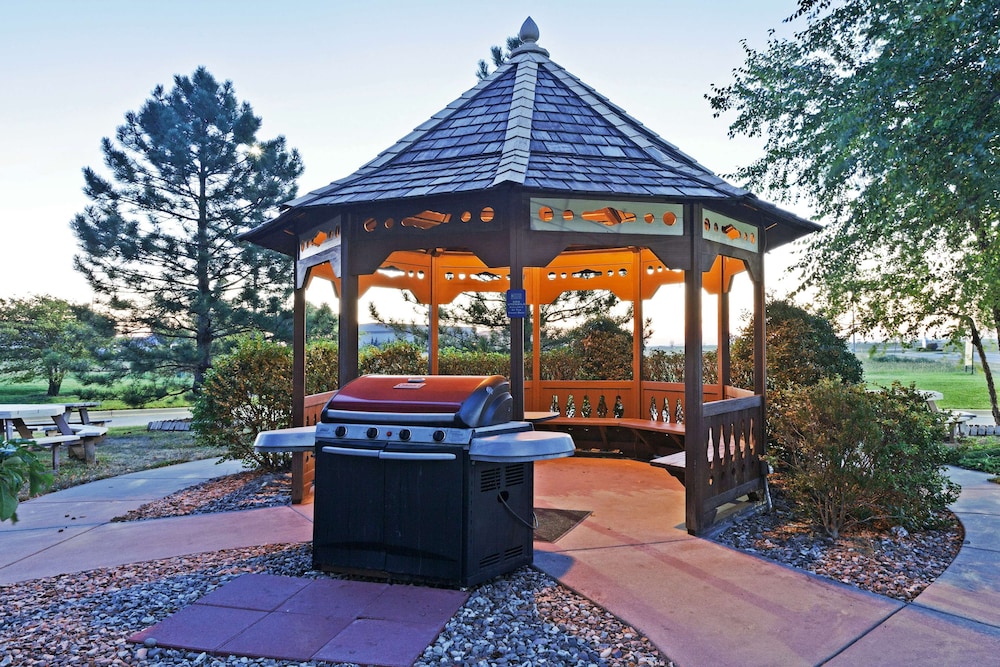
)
(960, 389)
(34, 392)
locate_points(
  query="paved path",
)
(700, 602)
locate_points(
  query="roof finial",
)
(529, 31)
(528, 36)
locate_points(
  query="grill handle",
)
(416, 456)
(351, 451)
(390, 456)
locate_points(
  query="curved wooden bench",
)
(653, 435)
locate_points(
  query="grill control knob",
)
(438, 436)
(404, 434)
(340, 431)
(372, 432)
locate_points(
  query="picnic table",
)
(82, 408)
(51, 420)
(953, 419)
(13, 416)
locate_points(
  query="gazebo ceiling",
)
(530, 125)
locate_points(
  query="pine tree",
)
(158, 242)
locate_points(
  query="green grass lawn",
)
(961, 390)
(70, 392)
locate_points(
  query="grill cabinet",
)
(426, 479)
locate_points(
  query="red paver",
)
(264, 592)
(200, 627)
(372, 641)
(286, 636)
(416, 604)
(334, 598)
(286, 618)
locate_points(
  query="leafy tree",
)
(44, 337)
(187, 174)
(883, 113)
(321, 322)
(802, 349)
(498, 56)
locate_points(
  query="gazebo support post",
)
(695, 447)
(536, 336)
(299, 353)
(637, 329)
(517, 220)
(723, 371)
(434, 326)
(347, 335)
(759, 336)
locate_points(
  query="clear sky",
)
(340, 80)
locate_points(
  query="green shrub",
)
(802, 348)
(17, 467)
(983, 456)
(459, 362)
(560, 364)
(663, 366)
(322, 367)
(246, 391)
(848, 456)
(396, 358)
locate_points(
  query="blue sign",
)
(517, 303)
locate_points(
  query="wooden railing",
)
(314, 407)
(651, 394)
(731, 464)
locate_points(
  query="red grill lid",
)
(462, 400)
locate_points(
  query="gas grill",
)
(426, 479)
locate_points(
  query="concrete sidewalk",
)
(71, 530)
(701, 603)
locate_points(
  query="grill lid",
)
(435, 400)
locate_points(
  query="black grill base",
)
(446, 523)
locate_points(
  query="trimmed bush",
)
(458, 362)
(246, 391)
(397, 358)
(663, 366)
(849, 457)
(322, 367)
(249, 390)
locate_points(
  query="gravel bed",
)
(525, 618)
(898, 565)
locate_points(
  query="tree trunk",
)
(54, 386)
(203, 301)
(977, 342)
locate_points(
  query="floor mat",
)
(553, 523)
(287, 618)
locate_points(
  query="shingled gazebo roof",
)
(534, 125)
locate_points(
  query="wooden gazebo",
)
(532, 184)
